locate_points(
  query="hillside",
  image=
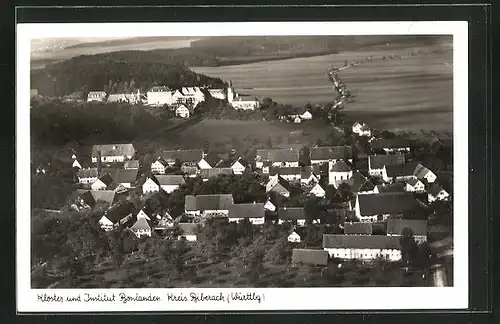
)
(95, 72)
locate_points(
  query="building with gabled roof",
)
(376, 163)
(414, 185)
(359, 184)
(210, 160)
(117, 215)
(131, 164)
(239, 165)
(317, 191)
(310, 174)
(437, 192)
(310, 256)
(89, 175)
(125, 177)
(338, 172)
(296, 215)
(287, 173)
(104, 182)
(358, 228)
(298, 234)
(141, 227)
(130, 98)
(110, 153)
(379, 207)
(216, 205)
(361, 129)
(207, 174)
(189, 231)
(159, 166)
(332, 154)
(391, 187)
(218, 94)
(395, 227)
(254, 212)
(288, 157)
(184, 157)
(279, 186)
(362, 247)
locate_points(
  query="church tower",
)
(230, 92)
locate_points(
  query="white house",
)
(436, 192)
(159, 166)
(362, 247)
(150, 185)
(142, 214)
(415, 185)
(170, 182)
(241, 102)
(102, 183)
(113, 152)
(325, 154)
(89, 175)
(141, 227)
(309, 175)
(269, 206)
(182, 111)
(376, 163)
(297, 235)
(159, 96)
(338, 173)
(254, 212)
(209, 161)
(306, 115)
(317, 191)
(99, 96)
(361, 129)
(239, 166)
(208, 205)
(288, 157)
(76, 164)
(116, 216)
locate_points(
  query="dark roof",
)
(278, 155)
(401, 170)
(396, 226)
(291, 213)
(390, 143)
(251, 210)
(308, 170)
(435, 189)
(340, 214)
(87, 173)
(106, 179)
(358, 182)
(272, 184)
(170, 179)
(412, 181)
(392, 187)
(118, 212)
(188, 228)
(212, 159)
(113, 150)
(86, 196)
(208, 202)
(358, 228)
(107, 196)
(421, 171)
(378, 161)
(284, 170)
(301, 231)
(310, 256)
(161, 160)
(360, 241)
(183, 155)
(140, 223)
(331, 152)
(214, 172)
(241, 161)
(340, 166)
(387, 203)
(131, 164)
(121, 175)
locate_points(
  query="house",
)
(167, 183)
(310, 174)
(296, 215)
(306, 115)
(241, 102)
(206, 174)
(398, 172)
(141, 227)
(254, 212)
(165, 221)
(159, 166)
(211, 160)
(113, 152)
(182, 111)
(218, 94)
(358, 228)
(338, 173)
(150, 185)
(287, 173)
(159, 96)
(190, 171)
(288, 157)
(269, 205)
(325, 154)
(392, 187)
(436, 192)
(125, 177)
(131, 164)
(144, 213)
(389, 146)
(279, 186)
(418, 227)
(130, 98)
(189, 231)
(190, 96)
(317, 191)
(361, 129)
(421, 172)
(104, 182)
(99, 96)
(295, 119)
(239, 166)
(76, 164)
(208, 205)
(362, 247)
(414, 185)
(116, 216)
(359, 184)
(82, 199)
(184, 157)
(310, 256)
(89, 175)
(376, 163)
(378, 207)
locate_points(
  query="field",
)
(413, 90)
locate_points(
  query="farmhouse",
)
(378, 207)
(89, 175)
(116, 216)
(418, 227)
(339, 173)
(211, 160)
(182, 111)
(184, 157)
(332, 154)
(159, 166)
(278, 185)
(436, 192)
(358, 228)
(131, 164)
(99, 96)
(310, 256)
(392, 187)
(206, 174)
(376, 163)
(113, 152)
(389, 146)
(361, 129)
(359, 184)
(287, 173)
(125, 177)
(296, 215)
(362, 247)
(414, 185)
(208, 205)
(239, 166)
(254, 212)
(141, 227)
(277, 157)
(189, 231)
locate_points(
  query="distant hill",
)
(95, 72)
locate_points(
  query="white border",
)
(274, 298)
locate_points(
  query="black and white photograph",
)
(227, 160)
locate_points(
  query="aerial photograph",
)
(241, 161)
